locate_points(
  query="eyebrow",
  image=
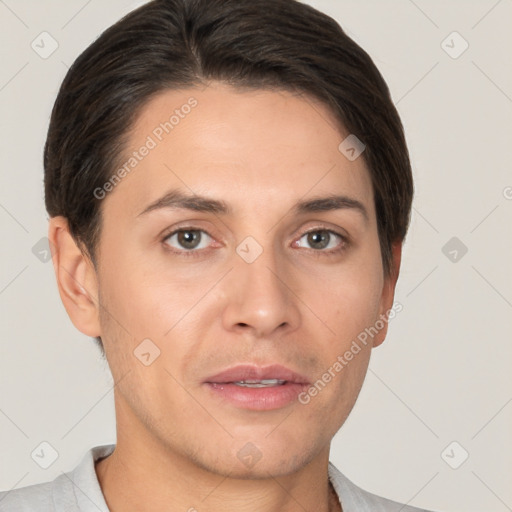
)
(177, 199)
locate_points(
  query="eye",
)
(188, 239)
(321, 239)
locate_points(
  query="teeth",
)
(265, 383)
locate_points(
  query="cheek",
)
(142, 300)
(351, 300)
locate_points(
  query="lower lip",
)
(257, 399)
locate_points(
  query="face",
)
(217, 317)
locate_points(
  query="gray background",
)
(443, 374)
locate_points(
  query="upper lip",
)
(246, 372)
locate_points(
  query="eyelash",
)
(194, 253)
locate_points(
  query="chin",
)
(261, 469)
(259, 459)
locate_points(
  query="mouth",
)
(256, 388)
(265, 383)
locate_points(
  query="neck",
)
(147, 474)
(145, 480)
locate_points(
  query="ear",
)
(76, 278)
(388, 292)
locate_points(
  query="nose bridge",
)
(259, 296)
(261, 266)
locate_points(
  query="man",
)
(229, 189)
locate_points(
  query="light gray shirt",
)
(80, 491)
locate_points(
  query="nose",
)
(259, 297)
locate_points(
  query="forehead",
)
(253, 149)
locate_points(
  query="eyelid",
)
(168, 232)
(325, 228)
(193, 252)
(345, 240)
(187, 253)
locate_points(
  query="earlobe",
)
(388, 293)
(76, 278)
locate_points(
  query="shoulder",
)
(70, 492)
(37, 497)
(355, 499)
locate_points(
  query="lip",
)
(222, 386)
(251, 372)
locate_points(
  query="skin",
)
(295, 305)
